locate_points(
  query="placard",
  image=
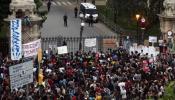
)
(16, 42)
(153, 39)
(62, 50)
(150, 50)
(109, 43)
(31, 49)
(90, 42)
(21, 74)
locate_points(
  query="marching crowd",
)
(111, 75)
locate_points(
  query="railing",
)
(54, 42)
(73, 43)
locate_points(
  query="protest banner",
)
(62, 50)
(109, 43)
(153, 39)
(21, 74)
(90, 42)
(16, 40)
(31, 49)
(146, 49)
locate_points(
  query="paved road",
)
(54, 27)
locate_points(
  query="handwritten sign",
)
(31, 49)
(153, 39)
(62, 50)
(16, 43)
(21, 74)
(109, 43)
(90, 42)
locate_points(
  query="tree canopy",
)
(124, 12)
(147, 8)
(4, 11)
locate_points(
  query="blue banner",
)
(16, 40)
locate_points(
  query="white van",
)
(86, 9)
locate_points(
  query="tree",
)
(4, 11)
(156, 7)
(125, 11)
(38, 3)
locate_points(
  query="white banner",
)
(153, 39)
(150, 50)
(62, 50)
(90, 42)
(16, 42)
(21, 74)
(31, 49)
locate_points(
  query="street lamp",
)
(81, 16)
(137, 18)
(161, 45)
(170, 44)
(81, 31)
(143, 28)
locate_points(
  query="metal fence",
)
(73, 43)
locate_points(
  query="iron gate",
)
(73, 43)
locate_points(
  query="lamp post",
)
(161, 46)
(81, 16)
(137, 18)
(170, 37)
(143, 28)
(81, 31)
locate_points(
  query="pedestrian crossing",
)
(59, 3)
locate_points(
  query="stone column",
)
(167, 18)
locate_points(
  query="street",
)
(54, 25)
(56, 56)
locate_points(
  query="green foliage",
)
(122, 12)
(4, 30)
(2, 34)
(4, 11)
(169, 91)
(41, 10)
(154, 29)
(38, 3)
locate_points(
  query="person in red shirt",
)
(74, 98)
(70, 72)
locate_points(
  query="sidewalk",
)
(100, 2)
(97, 2)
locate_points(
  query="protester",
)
(75, 11)
(48, 5)
(111, 75)
(90, 20)
(65, 20)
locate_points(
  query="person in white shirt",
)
(122, 90)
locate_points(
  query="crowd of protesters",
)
(111, 75)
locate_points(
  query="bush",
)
(4, 30)
(169, 91)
